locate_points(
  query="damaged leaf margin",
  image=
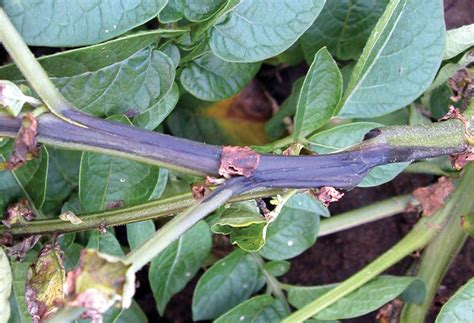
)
(98, 282)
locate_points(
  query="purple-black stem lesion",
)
(343, 169)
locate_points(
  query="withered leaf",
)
(44, 288)
(98, 282)
(26, 144)
(432, 198)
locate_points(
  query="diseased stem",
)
(272, 282)
(421, 234)
(146, 211)
(436, 260)
(173, 205)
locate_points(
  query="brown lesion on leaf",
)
(238, 161)
(432, 198)
(26, 144)
(44, 287)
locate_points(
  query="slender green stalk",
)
(421, 234)
(146, 211)
(373, 212)
(273, 285)
(30, 67)
(424, 167)
(172, 230)
(435, 262)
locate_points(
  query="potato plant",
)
(135, 120)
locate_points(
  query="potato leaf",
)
(256, 30)
(364, 300)
(172, 269)
(259, 309)
(227, 283)
(320, 94)
(460, 307)
(294, 230)
(399, 61)
(75, 23)
(343, 26)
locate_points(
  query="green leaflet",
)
(227, 283)
(320, 94)
(211, 78)
(30, 180)
(105, 243)
(20, 273)
(79, 22)
(5, 286)
(63, 177)
(458, 40)
(399, 61)
(172, 12)
(152, 118)
(106, 181)
(343, 26)
(173, 268)
(259, 309)
(244, 224)
(118, 315)
(350, 134)
(460, 307)
(200, 10)
(192, 10)
(123, 75)
(275, 267)
(139, 232)
(294, 230)
(363, 300)
(256, 30)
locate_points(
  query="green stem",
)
(436, 260)
(421, 234)
(147, 211)
(172, 230)
(29, 66)
(366, 214)
(424, 167)
(272, 283)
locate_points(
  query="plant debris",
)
(328, 195)
(459, 84)
(18, 213)
(459, 161)
(199, 190)
(432, 198)
(20, 249)
(26, 144)
(13, 99)
(238, 161)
